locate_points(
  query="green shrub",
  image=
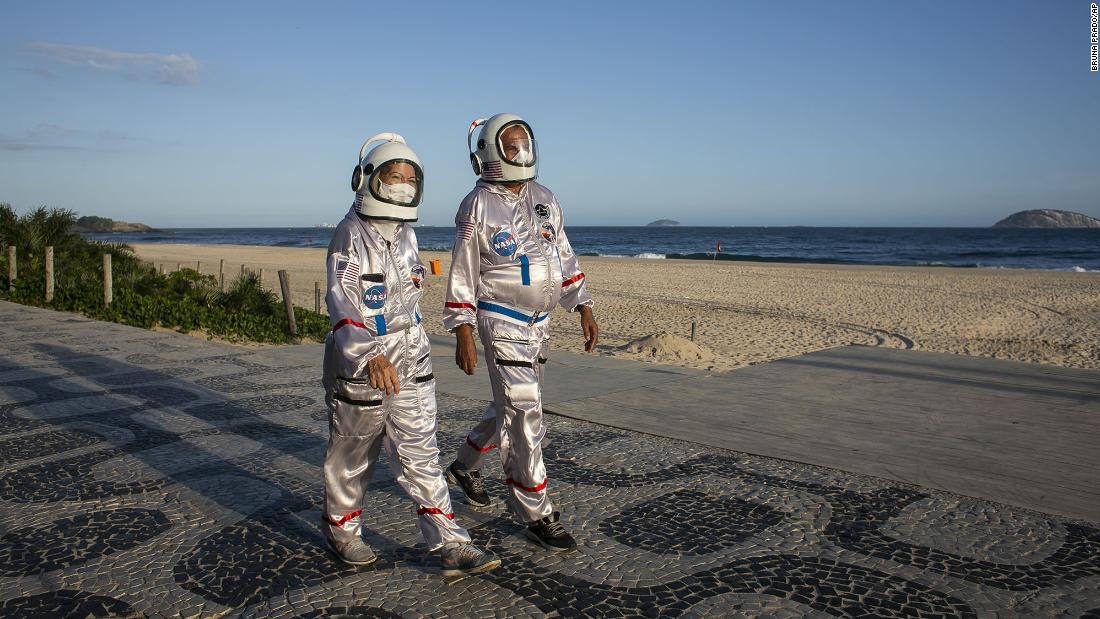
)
(185, 300)
(246, 295)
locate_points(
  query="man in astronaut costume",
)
(378, 377)
(511, 264)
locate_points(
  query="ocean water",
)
(1051, 249)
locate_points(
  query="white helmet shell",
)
(374, 197)
(497, 161)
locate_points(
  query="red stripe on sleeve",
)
(455, 305)
(576, 278)
(347, 321)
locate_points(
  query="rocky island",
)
(1048, 218)
(662, 222)
(91, 223)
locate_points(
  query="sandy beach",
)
(747, 313)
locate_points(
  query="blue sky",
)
(198, 114)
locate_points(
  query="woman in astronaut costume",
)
(378, 377)
(511, 264)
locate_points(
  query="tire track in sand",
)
(882, 337)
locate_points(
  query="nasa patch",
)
(375, 296)
(548, 231)
(542, 210)
(504, 244)
(418, 275)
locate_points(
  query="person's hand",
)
(589, 328)
(466, 351)
(383, 376)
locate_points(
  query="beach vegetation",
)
(185, 300)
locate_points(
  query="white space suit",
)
(511, 264)
(374, 288)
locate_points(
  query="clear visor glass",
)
(516, 144)
(398, 182)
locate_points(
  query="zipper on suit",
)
(525, 212)
(401, 299)
(400, 281)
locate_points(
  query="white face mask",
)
(402, 194)
(524, 157)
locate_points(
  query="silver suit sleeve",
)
(574, 291)
(355, 345)
(461, 302)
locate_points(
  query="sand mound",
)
(668, 348)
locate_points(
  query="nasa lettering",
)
(375, 297)
(504, 244)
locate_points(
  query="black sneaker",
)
(466, 559)
(549, 534)
(472, 485)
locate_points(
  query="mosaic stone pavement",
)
(151, 474)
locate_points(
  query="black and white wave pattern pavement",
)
(149, 474)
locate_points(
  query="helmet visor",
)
(516, 144)
(398, 181)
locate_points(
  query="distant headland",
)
(1047, 218)
(91, 223)
(663, 222)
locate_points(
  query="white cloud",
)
(175, 69)
(14, 143)
(48, 136)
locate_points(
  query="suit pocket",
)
(357, 408)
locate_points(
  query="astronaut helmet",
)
(506, 149)
(388, 182)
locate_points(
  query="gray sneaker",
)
(353, 551)
(466, 559)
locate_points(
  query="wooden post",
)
(284, 284)
(317, 297)
(179, 265)
(221, 274)
(162, 268)
(49, 274)
(242, 269)
(198, 266)
(693, 331)
(261, 278)
(12, 271)
(108, 283)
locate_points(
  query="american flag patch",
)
(347, 271)
(464, 230)
(491, 169)
(358, 204)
